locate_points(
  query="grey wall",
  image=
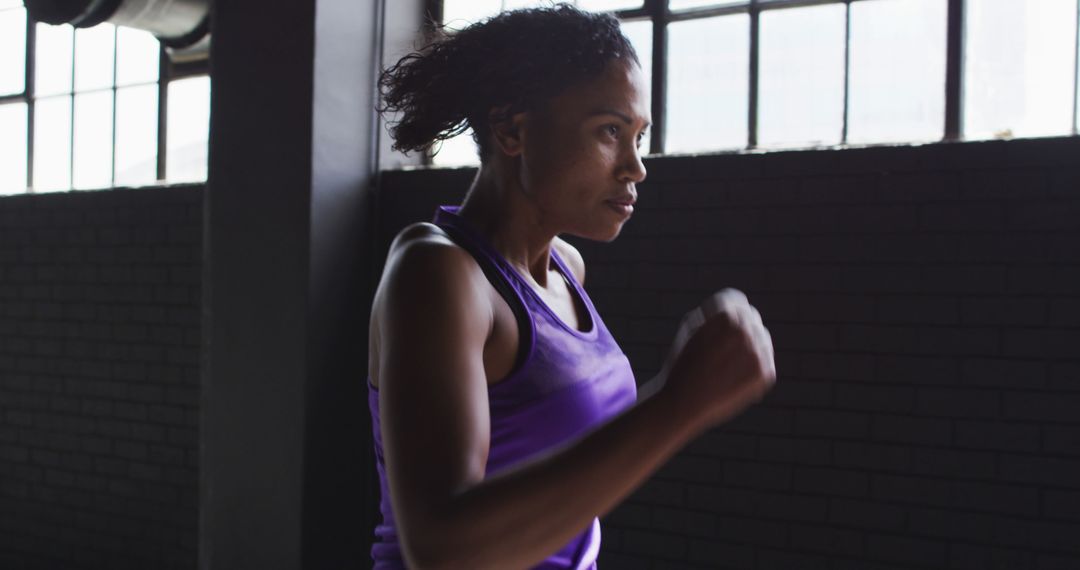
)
(99, 378)
(925, 307)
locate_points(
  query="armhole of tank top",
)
(521, 314)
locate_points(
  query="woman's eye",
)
(612, 131)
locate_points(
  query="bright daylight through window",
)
(95, 108)
(772, 74)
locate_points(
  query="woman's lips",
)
(625, 208)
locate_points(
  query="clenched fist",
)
(721, 360)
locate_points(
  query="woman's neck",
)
(498, 207)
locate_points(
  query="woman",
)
(505, 415)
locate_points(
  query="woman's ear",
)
(507, 130)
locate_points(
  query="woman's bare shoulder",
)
(572, 257)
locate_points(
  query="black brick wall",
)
(99, 378)
(925, 307)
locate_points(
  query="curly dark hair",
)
(514, 61)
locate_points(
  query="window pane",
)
(136, 135)
(4, 4)
(801, 71)
(52, 59)
(460, 13)
(93, 140)
(688, 4)
(608, 5)
(13, 148)
(639, 32)
(708, 83)
(94, 57)
(52, 143)
(517, 4)
(458, 151)
(136, 56)
(1018, 67)
(188, 112)
(13, 48)
(897, 84)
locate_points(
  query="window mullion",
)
(847, 70)
(752, 103)
(162, 123)
(28, 92)
(954, 70)
(115, 56)
(1076, 73)
(658, 11)
(71, 101)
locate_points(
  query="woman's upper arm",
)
(435, 317)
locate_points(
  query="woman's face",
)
(580, 154)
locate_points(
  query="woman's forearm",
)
(519, 517)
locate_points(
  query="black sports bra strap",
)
(521, 314)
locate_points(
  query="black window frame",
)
(168, 71)
(661, 16)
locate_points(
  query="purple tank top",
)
(566, 382)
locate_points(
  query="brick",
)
(757, 475)
(1043, 279)
(992, 497)
(910, 429)
(1007, 311)
(1005, 373)
(919, 370)
(982, 557)
(1064, 376)
(723, 444)
(1000, 436)
(822, 423)
(874, 397)
(1058, 562)
(652, 543)
(692, 469)
(1039, 535)
(1060, 439)
(795, 450)
(752, 531)
(720, 500)
(786, 560)
(916, 490)
(906, 550)
(1061, 504)
(796, 393)
(1040, 470)
(829, 308)
(958, 402)
(918, 310)
(1041, 343)
(952, 463)
(684, 522)
(785, 506)
(827, 540)
(866, 514)
(762, 420)
(719, 554)
(832, 482)
(1042, 406)
(658, 492)
(837, 366)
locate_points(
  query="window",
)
(94, 108)
(767, 74)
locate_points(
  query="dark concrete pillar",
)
(285, 442)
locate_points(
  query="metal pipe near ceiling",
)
(177, 23)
